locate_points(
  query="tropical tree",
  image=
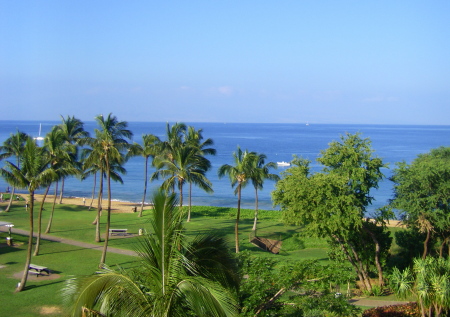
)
(194, 138)
(63, 160)
(33, 173)
(332, 203)
(239, 174)
(422, 195)
(428, 281)
(13, 147)
(175, 278)
(151, 146)
(108, 147)
(261, 172)
(74, 134)
(185, 165)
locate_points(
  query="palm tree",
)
(175, 278)
(74, 134)
(185, 165)
(239, 174)
(174, 135)
(62, 159)
(428, 281)
(13, 146)
(33, 173)
(107, 152)
(261, 172)
(151, 146)
(194, 138)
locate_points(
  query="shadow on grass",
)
(30, 287)
(8, 249)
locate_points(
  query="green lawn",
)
(75, 222)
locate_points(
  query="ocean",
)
(279, 142)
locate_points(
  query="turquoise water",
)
(393, 143)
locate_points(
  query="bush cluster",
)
(402, 310)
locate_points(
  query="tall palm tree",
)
(185, 165)
(239, 174)
(194, 138)
(175, 278)
(62, 159)
(108, 147)
(174, 140)
(13, 146)
(33, 173)
(74, 134)
(261, 172)
(151, 146)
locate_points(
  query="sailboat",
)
(39, 138)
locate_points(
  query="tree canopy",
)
(332, 203)
(422, 196)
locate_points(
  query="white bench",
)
(121, 232)
(38, 269)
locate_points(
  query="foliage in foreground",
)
(403, 310)
(294, 289)
(428, 281)
(176, 277)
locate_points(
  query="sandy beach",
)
(116, 206)
(128, 207)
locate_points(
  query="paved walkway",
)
(71, 242)
(354, 301)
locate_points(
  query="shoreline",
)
(119, 206)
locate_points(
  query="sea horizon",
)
(279, 141)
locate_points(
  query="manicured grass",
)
(64, 260)
(75, 222)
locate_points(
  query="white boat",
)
(39, 138)
(283, 163)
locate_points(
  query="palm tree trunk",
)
(145, 185)
(425, 244)
(38, 240)
(50, 220)
(377, 256)
(93, 190)
(236, 226)
(190, 202)
(62, 191)
(256, 211)
(23, 281)
(11, 197)
(108, 218)
(99, 210)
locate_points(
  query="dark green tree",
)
(239, 174)
(108, 151)
(333, 203)
(422, 195)
(33, 173)
(13, 147)
(194, 138)
(151, 146)
(261, 172)
(74, 135)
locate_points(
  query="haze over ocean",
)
(279, 141)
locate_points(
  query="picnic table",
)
(38, 269)
(122, 232)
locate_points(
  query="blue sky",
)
(380, 62)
